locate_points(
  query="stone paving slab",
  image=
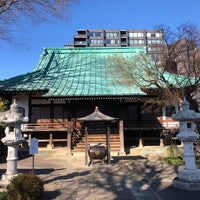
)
(126, 178)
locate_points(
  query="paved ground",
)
(126, 178)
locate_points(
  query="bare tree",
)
(172, 73)
(13, 12)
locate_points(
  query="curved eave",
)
(15, 92)
(106, 97)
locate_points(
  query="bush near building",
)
(25, 186)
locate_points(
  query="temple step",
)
(96, 139)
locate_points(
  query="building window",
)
(136, 42)
(40, 113)
(95, 34)
(136, 34)
(158, 34)
(155, 49)
(157, 41)
(109, 41)
(112, 34)
(79, 42)
(123, 42)
(96, 41)
(22, 111)
(151, 35)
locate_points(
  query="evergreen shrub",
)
(25, 186)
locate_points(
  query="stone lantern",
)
(13, 120)
(189, 177)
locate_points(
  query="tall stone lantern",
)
(189, 177)
(13, 120)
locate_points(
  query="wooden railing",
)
(51, 129)
(35, 130)
(142, 125)
(169, 123)
(159, 124)
(34, 127)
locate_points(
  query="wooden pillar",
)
(29, 108)
(121, 136)
(140, 139)
(29, 138)
(161, 142)
(51, 112)
(86, 146)
(164, 113)
(139, 118)
(69, 138)
(50, 145)
(108, 144)
(138, 109)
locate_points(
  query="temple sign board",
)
(33, 149)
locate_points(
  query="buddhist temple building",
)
(69, 83)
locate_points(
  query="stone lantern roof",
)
(186, 114)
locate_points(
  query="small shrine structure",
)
(100, 119)
(13, 120)
(189, 177)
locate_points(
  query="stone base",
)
(191, 186)
(190, 175)
(5, 180)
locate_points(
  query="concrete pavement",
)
(132, 177)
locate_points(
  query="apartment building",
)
(152, 40)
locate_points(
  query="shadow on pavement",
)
(120, 158)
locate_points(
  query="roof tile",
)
(71, 72)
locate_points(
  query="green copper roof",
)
(74, 72)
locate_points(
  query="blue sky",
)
(91, 14)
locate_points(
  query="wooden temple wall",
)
(53, 121)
